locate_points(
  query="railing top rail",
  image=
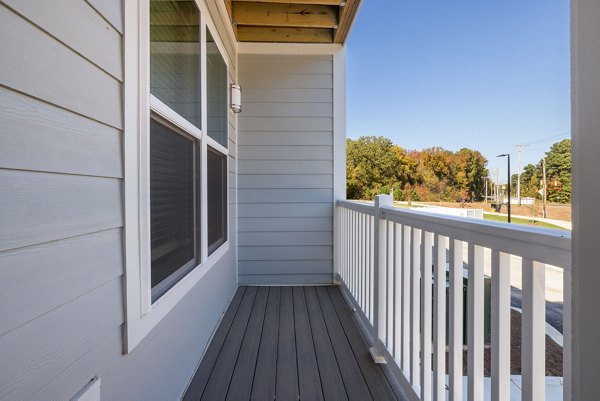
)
(359, 206)
(540, 244)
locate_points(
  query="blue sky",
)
(484, 74)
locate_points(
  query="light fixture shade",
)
(236, 98)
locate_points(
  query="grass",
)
(517, 220)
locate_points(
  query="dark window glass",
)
(217, 199)
(173, 216)
(175, 56)
(216, 92)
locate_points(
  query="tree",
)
(558, 172)
(530, 181)
(375, 164)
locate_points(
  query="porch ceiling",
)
(292, 21)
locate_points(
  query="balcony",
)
(381, 334)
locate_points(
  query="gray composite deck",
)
(288, 343)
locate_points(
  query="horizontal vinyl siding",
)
(285, 172)
(61, 216)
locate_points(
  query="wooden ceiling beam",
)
(347, 15)
(322, 2)
(285, 15)
(285, 35)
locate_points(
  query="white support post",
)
(439, 318)
(500, 326)
(426, 298)
(475, 323)
(379, 284)
(455, 358)
(533, 342)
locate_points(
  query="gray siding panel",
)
(293, 238)
(42, 271)
(286, 170)
(286, 279)
(278, 252)
(286, 153)
(41, 207)
(34, 354)
(285, 166)
(39, 65)
(286, 181)
(296, 95)
(284, 195)
(286, 138)
(323, 209)
(273, 267)
(64, 18)
(37, 136)
(111, 10)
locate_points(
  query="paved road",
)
(554, 310)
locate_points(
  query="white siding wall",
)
(61, 216)
(286, 170)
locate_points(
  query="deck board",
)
(333, 385)
(220, 377)
(309, 382)
(355, 384)
(263, 388)
(288, 343)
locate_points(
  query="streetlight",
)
(508, 156)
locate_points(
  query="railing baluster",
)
(415, 299)
(475, 323)
(500, 326)
(361, 264)
(397, 292)
(371, 264)
(426, 245)
(455, 357)
(389, 324)
(533, 325)
(406, 268)
(364, 262)
(439, 319)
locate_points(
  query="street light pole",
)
(507, 155)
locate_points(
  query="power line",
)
(548, 138)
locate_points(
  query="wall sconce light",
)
(236, 98)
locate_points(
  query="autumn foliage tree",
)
(375, 165)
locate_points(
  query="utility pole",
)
(507, 155)
(486, 181)
(497, 187)
(544, 183)
(519, 150)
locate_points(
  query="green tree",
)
(558, 172)
(375, 164)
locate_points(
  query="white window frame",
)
(142, 315)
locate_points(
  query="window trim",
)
(142, 315)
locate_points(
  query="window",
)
(217, 199)
(176, 156)
(216, 88)
(174, 211)
(175, 76)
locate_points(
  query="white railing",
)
(389, 261)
